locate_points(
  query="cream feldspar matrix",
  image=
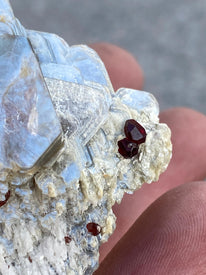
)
(69, 149)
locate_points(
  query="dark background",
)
(168, 37)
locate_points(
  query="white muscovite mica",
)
(60, 166)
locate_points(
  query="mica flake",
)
(60, 169)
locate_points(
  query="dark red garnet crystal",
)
(127, 148)
(134, 131)
(135, 135)
(94, 228)
(67, 239)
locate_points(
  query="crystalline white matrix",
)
(61, 169)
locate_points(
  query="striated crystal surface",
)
(84, 108)
(77, 64)
(29, 125)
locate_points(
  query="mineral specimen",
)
(60, 169)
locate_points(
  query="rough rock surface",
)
(45, 210)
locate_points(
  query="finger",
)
(168, 238)
(188, 164)
(123, 69)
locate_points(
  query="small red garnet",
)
(67, 239)
(127, 148)
(94, 228)
(134, 131)
(7, 195)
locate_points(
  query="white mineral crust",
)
(60, 168)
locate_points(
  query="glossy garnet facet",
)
(127, 148)
(134, 131)
(94, 228)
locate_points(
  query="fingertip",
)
(122, 67)
(168, 238)
(188, 129)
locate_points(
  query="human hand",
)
(161, 228)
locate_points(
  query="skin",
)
(161, 228)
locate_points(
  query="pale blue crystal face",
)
(29, 126)
(78, 83)
(77, 64)
(139, 101)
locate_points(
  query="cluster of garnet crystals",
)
(135, 135)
